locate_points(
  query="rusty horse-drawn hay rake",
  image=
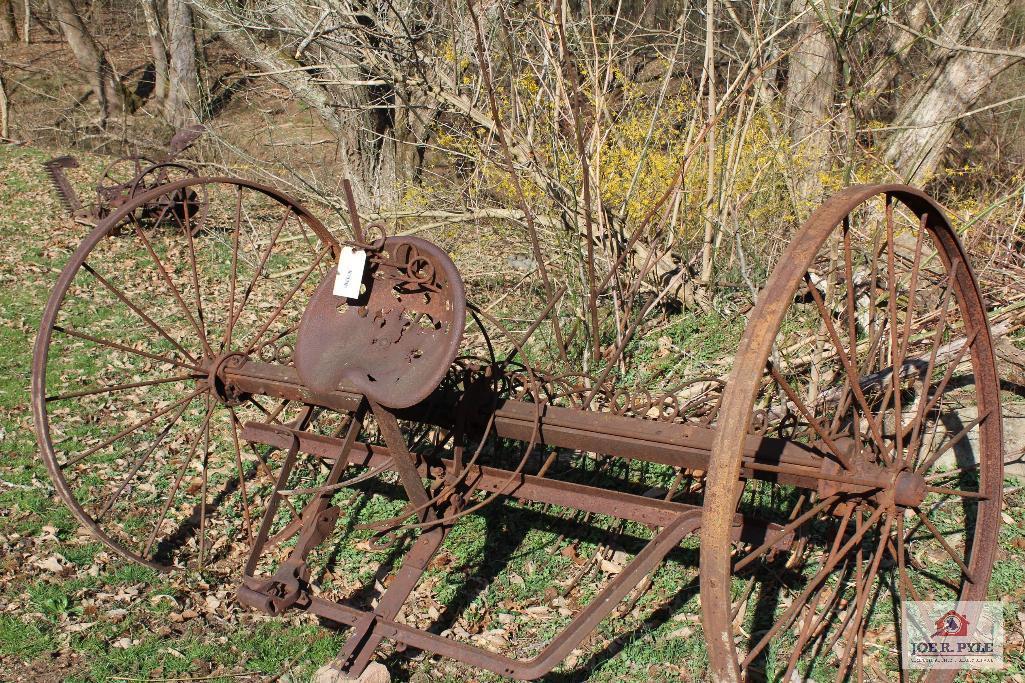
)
(201, 396)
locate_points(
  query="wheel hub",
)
(225, 390)
(909, 489)
(869, 477)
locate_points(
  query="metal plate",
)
(396, 341)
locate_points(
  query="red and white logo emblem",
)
(952, 624)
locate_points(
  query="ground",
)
(70, 610)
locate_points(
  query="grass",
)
(101, 617)
(21, 641)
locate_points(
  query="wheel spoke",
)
(954, 472)
(135, 427)
(138, 464)
(796, 400)
(193, 444)
(244, 502)
(127, 349)
(271, 416)
(149, 321)
(946, 546)
(846, 362)
(174, 289)
(309, 240)
(812, 623)
(875, 343)
(950, 443)
(947, 376)
(863, 589)
(195, 271)
(264, 467)
(202, 492)
(259, 268)
(852, 326)
(848, 269)
(924, 402)
(226, 342)
(906, 336)
(92, 391)
(162, 215)
(250, 346)
(956, 492)
(895, 366)
(900, 554)
(785, 531)
(791, 612)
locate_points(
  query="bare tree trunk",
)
(926, 121)
(102, 79)
(343, 107)
(156, 43)
(403, 126)
(25, 24)
(811, 87)
(279, 67)
(5, 123)
(896, 50)
(282, 68)
(183, 102)
(710, 214)
(8, 30)
(412, 129)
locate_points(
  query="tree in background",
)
(183, 102)
(681, 139)
(809, 98)
(104, 82)
(157, 48)
(965, 61)
(363, 71)
(804, 77)
(8, 30)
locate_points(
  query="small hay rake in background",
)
(200, 396)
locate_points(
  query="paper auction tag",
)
(350, 272)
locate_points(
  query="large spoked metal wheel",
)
(869, 345)
(139, 435)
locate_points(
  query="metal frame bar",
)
(678, 520)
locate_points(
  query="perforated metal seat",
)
(394, 343)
